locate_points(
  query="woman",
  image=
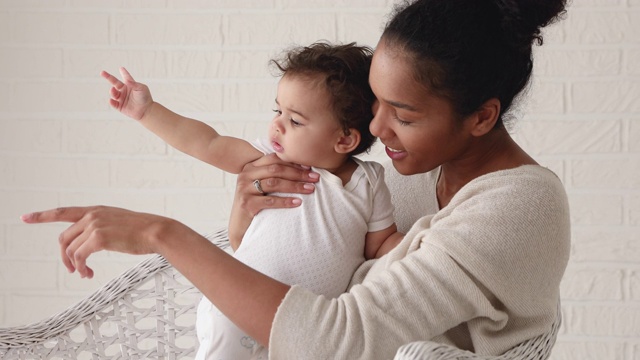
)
(480, 269)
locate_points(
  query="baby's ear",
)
(348, 142)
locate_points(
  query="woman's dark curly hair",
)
(345, 69)
(469, 51)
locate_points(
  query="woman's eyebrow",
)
(401, 105)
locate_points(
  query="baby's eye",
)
(277, 111)
(295, 123)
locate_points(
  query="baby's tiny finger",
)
(126, 76)
(115, 93)
(112, 79)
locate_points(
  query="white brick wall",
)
(60, 144)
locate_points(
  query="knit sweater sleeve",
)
(490, 262)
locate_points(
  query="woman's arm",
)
(190, 136)
(490, 261)
(249, 298)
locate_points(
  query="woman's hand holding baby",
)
(276, 176)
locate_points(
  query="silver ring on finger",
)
(256, 184)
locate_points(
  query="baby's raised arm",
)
(190, 136)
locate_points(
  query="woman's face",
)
(419, 130)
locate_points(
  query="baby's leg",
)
(221, 339)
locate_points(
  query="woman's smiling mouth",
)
(395, 154)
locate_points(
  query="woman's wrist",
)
(165, 234)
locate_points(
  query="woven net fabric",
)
(147, 312)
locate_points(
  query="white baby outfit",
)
(318, 246)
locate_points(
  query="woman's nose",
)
(377, 125)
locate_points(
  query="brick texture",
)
(61, 144)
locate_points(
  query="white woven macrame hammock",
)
(148, 312)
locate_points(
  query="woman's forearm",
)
(247, 297)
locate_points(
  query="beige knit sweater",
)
(483, 274)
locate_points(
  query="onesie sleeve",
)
(263, 145)
(382, 207)
(492, 261)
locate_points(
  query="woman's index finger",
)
(61, 214)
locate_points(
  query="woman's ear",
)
(485, 118)
(348, 142)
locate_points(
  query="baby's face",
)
(305, 129)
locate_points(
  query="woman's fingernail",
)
(25, 217)
(296, 201)
(314, 175)
(309, 186)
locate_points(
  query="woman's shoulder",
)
(529, 171)
(529, 196)
(524, 198)
(533, 180)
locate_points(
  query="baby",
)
(322, 114)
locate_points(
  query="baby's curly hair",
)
(345, 69)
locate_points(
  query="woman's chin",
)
(404, 168)
(399, 168)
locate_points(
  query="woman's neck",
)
(494, 152)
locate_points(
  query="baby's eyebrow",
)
(293, 110)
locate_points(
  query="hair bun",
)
(523, 19)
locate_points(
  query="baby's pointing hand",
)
(128, 96)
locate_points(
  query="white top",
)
(319, 244)
(483, 274)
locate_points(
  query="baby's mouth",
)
(276, 146)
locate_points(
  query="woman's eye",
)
(402, 122)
